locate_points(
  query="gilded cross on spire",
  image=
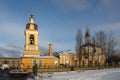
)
(31, 14)
(31, 18)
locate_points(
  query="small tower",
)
(87, 36)
(31, 39)
(50, 49)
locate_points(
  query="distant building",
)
(11, 62)
(68, 58)
(90, 54)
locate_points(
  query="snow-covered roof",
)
(10, 57)
(68, 52)
(44, 57)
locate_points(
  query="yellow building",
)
(90, 55)
(12, 62)
(31, 49)
(68, 58)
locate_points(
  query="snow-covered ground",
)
(104, 74)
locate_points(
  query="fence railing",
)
(73, 68)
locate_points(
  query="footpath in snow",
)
(104, 74)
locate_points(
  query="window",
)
(67, 63)
(13, 63)
(90, 63)
(75, 62)
(31, 39)
(40, 63)
(83, 63)
(34, 61)
(5, 62)
(96, 61)
(18, 63)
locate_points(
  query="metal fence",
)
(74, 68)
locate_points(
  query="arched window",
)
(31, 39)
(34, 61)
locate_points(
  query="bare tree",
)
(100, 38)
(108, 42)
(79, 41)
(112, 43)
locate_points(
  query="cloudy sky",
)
(58, 21)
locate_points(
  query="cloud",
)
(108, 5)
(72, 5)
(115, 27)
(59, 38)
(15, 46)
(10, 51)
(1, 55)
(11, 31)
(107, 2)
(16, 50)
(43, 50)
(108, 28)
(61, 46)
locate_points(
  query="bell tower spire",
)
(31, 18)
(87, 36)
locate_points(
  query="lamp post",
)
(87, 56)
(56, 62)
(67, 62)
(88, 59)
(44, 67)
(98, 59)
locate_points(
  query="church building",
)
(91, 53)
(31, 49)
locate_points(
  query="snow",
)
(104, 74)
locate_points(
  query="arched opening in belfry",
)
(31, 39)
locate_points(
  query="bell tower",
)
(87, 36)
(31, 47)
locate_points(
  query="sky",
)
(57, 20)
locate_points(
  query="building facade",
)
(31, 49)
(12, 62)
(90, 53)
(68, 58)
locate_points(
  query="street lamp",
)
(98, 55)
(56, 62)
(67, 63)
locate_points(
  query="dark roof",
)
(87, 34)
(90, 44)
(28, 26)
